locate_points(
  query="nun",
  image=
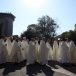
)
(8, 45)
(50, 52)
(37, 50)
(72, 53)
(63, 54)
(24, 49)
(3, 52)
(55, 51)
(43, 52)
(19, 42)
(31, 55)
(16, 52)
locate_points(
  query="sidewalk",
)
(52, 69)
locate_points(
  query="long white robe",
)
(50, 52)
(72, 52)
(16, 52)
(24, 50)
(8, 45)
(68, 44)
(37, 50)
(19, 43)
(55, 50)
(63, 56)
(3, 52)
(31, 58)
(43, 53)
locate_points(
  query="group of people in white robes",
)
(32, 51)
(65, 52)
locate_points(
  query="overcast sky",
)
(28, 11)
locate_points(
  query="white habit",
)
(3, 52)
(63, 53)
(72, 52)
(16, 52)
(31, 56)
(24, 49)
(55, 50)
(43, 53)
(8, 45)
(50, 52)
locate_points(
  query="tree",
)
(65, 35)
(47, 26)
(28, 34)
(71, 35)
(32, 27)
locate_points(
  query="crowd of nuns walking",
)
(34, 51)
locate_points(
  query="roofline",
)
(7, 15)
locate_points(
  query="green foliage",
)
(28, 34)
(46, 27)
(71, 35)
(65, 35)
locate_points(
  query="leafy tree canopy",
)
(46, 27)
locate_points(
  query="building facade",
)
(6, 24)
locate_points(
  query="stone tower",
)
(6, 24)
(75, 27)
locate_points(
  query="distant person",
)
(31, 56)
(55, 50)
(8, 45)
(63, 55)
(16, 52)
(50, 52)
(24, 49)
(43, 52)
(37, 48)
(3, 51)
(72, 53)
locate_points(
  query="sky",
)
(28, 11)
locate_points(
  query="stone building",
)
(6, 24)
(75, 27)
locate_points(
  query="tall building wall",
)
(6, 24)
(75, 27)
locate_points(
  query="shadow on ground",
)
(36, 68)
(11, 67)
(69, 67)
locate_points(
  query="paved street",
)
(52, 69)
